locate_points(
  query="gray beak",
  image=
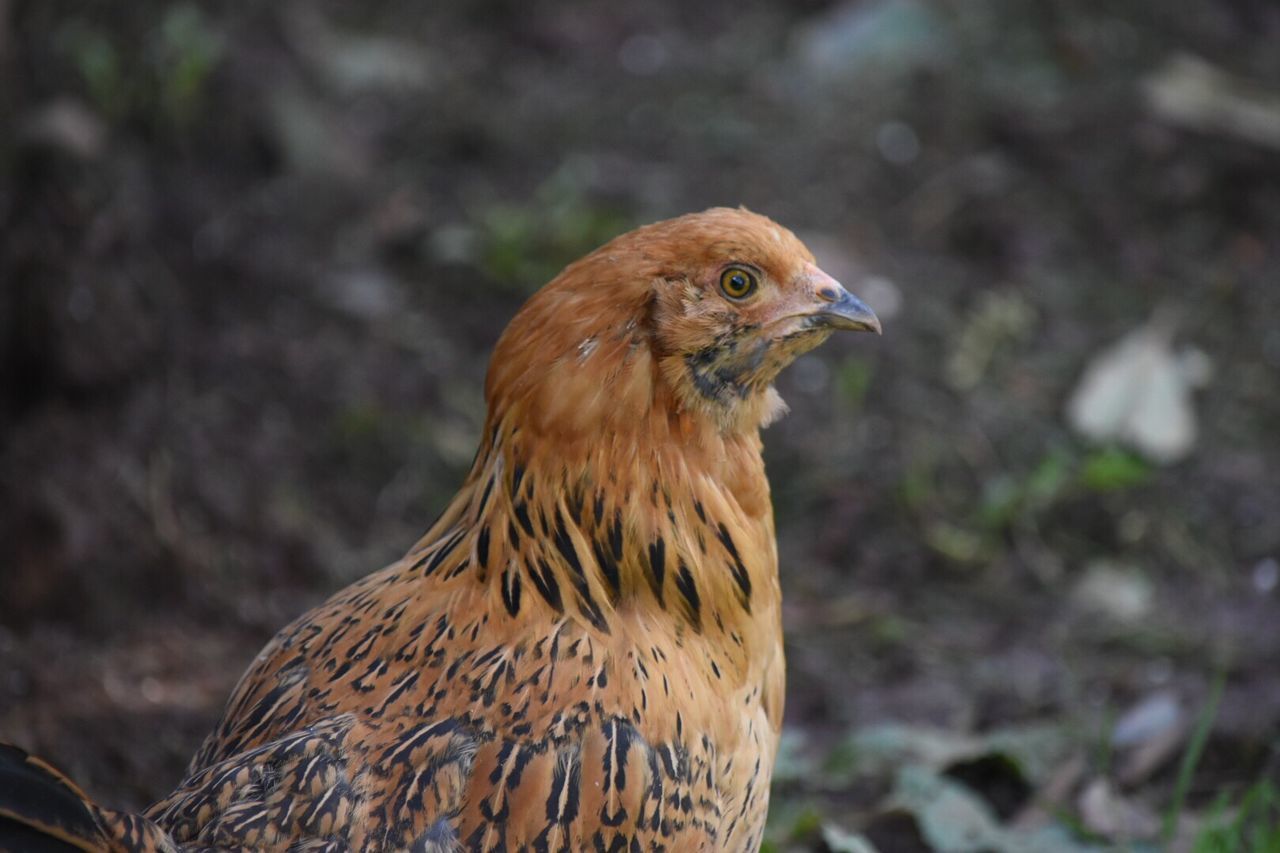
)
(837, 308)
(847, 311)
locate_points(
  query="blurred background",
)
(253, 258)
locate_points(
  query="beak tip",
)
(852, 313)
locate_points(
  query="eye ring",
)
(737, 283)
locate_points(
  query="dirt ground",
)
(253, 258)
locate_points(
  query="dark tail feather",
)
(42, 811)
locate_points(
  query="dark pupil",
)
(738, 282)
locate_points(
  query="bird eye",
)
(737, 283)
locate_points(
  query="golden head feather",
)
(691, 315)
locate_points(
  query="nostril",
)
(830, 294)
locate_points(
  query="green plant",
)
(95, 57)
(1008, 499)
(1255, 827)
(167, 80)
(1113, 469)
(853, 378)
(1191, 758)
(524, 246)
(187, 50)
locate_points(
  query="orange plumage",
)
(585, 651)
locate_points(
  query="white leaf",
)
(1138, 393)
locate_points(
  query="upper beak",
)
(838, 308)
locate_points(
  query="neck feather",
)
(604, 493)
(675, 525)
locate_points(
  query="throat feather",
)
(726, 371)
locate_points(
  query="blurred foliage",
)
(186, 53)
(167, 77)
(525, 245)
(1110, 470)
(1253, 824)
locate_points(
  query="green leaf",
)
(1113, 469)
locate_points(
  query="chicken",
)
(585, 650)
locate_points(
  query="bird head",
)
(698, 314)
(742, 298)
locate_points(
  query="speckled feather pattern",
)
(495, 690)
(585, 651)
